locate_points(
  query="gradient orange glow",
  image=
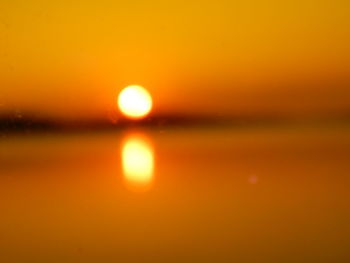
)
(64, 59)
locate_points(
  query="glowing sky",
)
(70, 59)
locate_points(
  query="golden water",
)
(196, 195)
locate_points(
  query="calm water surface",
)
(195, 195)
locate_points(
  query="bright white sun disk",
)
(135, 102)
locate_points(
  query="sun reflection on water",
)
(138, 162)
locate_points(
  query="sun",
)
(135, 102)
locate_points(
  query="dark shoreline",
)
(25, 125)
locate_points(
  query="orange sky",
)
(69, 59)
